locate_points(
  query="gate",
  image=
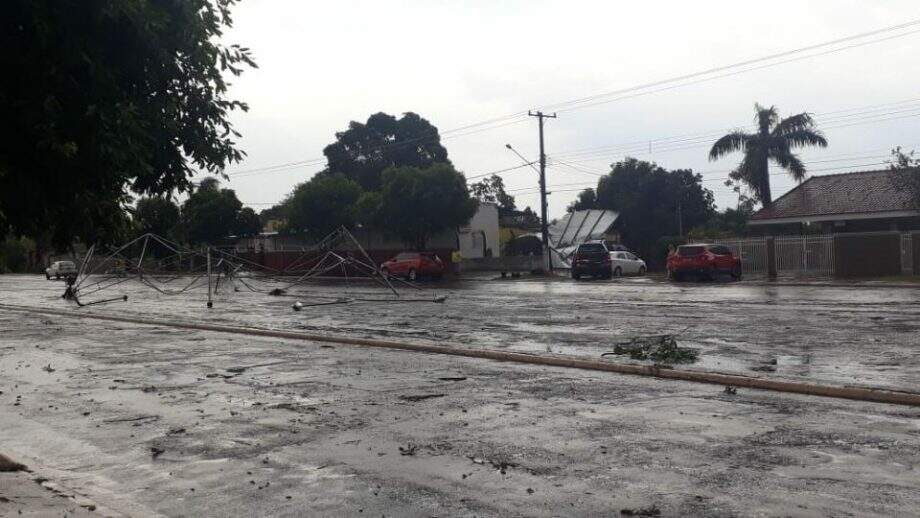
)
(805, 255)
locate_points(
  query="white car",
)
(626, 263)
(60, 269)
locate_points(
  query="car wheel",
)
(385, 272)
(48, 277)
(736, 272)
(617, 272)
(412, 275)
(576, 275)
(641, 270)
(710, 274)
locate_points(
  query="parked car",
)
(704, 261)
(413, 265)
(614, 247)
(60, 269)
(626, 263)
(591, 259)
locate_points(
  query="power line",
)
(499, 171)
(682, 141)
(580, 103)
(518, 117)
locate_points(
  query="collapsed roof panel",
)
(580, 226)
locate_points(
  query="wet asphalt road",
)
(142, 420)
(857, 336)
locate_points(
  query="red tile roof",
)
(845, 193)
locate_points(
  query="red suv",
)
(413, 265)
(705, 261)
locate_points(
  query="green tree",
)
(157, 215)
(248, 223)
(774, 140)
(321, 205)
(99, 98)
(210, 213)
(416, 204)
(653, 202)
(492, 190)
(731, 222)
(587, 199)
(364, 151)
(909, 166)
(16, 254)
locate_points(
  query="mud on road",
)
(145, 420)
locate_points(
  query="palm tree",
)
(774, 140)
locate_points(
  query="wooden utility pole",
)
(544, 228)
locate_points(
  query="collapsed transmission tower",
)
(171, 269)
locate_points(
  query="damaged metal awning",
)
(580, 226)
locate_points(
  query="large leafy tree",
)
(652, 202)
(775, 139)
(321, 205)
(492, 190)
(248, 223)
(157, 215)
(364, 151)
(210, 213)
(99, 98)
(586, 199)
(415, 204)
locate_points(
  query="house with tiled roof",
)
(850, 202)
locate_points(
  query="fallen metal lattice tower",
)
(170, 269)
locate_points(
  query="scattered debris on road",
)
(659, 349)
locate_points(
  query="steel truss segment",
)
(339, 249)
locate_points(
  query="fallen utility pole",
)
(734, 380)
(544, 228)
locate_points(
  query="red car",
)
(413, 265)
(704, 261)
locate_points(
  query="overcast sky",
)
(323, 64)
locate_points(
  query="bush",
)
(14, 254)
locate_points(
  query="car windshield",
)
(405, 256)
(689, 251)
(65, 264)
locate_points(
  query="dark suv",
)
(591, 259)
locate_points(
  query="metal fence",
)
(753, 253)
(795, 255)
(809, 255)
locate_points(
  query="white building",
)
(480, 238)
